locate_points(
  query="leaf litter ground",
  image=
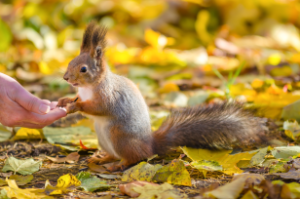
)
(190, 171)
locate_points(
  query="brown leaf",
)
(71, 158)
(292, 174)
(97, 168)
(128, 188)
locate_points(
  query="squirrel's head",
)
(88, 67)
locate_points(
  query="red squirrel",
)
(121, 117)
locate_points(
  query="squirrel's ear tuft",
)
(98, 43)
(87, 38)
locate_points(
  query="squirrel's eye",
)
(83, 69)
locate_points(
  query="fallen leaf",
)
(169, 87)
(205, 165)
(226, 160)
(13, 191)
(250, 179)
(72, 135)
(230, 190)
(141, 172)
(249, 195)
(85, 122)
(20, 180)
(3, 194)
(278, 168)
(173, 173)
(63, 184)
(86, 148)
(291, 111)
(4, 133)
(71, 158)
(175, 99)
(97, 168)
(24, 167)
(259, 157)
(149, 190)
(290, 190)
(91, 183)
(285, 152)
(291, 175)
(27, 133)
(109, 176)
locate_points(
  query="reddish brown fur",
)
(130, 148)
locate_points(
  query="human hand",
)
(18, 107)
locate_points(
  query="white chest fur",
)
(85, 93)
(101, 124)
(103, 134)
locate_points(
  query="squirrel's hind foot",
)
(102, 160)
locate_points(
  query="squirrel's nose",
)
(66, 76)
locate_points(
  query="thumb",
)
(31, 102)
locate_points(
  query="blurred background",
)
(179, 52)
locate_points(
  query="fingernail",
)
(62, 108)
(44, 108)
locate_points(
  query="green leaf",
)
(70, 135)
(285, 152)
(24, 167)
(278, 168)
(204, 166)
(91, 183)
(5, 36)
(3, 194)
(4, 133)
(259, 158)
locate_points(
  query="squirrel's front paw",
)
(72, 108)
(62, 102)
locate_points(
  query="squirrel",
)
(121, 117)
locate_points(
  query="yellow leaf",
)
(173, 173)
(249, 195)
(273, 89)
(201, 26)
(257, 83)
(241, 89)
(26, 133)
(289, 134)
(13, 191)
(274, 59)
(228, 162)
(85, 122)
(169, 87)
(44, 68)
(63, 183)
(143, 171)
(157, 40)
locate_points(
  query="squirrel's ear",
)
(98, 43)
(98, 53)
(87, 38)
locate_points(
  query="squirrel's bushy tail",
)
(218, 126)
